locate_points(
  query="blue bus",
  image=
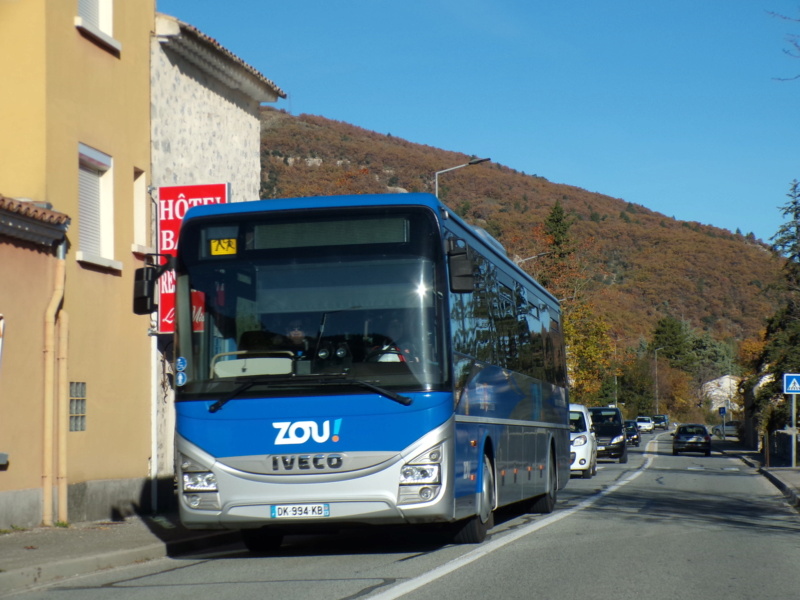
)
(359, 360)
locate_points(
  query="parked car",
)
(645, 424)
(691, 437)
(583, 443)
(731, 429)
(610, 432)
(632, 432)
(661, 422)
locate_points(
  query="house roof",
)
(213, 58)
(31, 221)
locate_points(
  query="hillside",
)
(643, 265)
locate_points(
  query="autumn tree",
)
(586, 334)
(636, 387)
(781, 351)
(589, 350)
(696, 355)
(786, 241)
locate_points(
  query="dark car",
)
(691, 437)
(610, 433)
(661, 421)
(632, 431)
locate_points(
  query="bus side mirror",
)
(144, 284)
(462, 278)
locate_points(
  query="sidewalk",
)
(786, 479)
(49, 554)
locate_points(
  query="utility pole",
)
(656, 381)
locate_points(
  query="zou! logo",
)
(299, 432)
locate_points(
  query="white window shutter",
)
(89, 211)
(89, 11)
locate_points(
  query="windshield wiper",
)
(399, 398)
(236, 391)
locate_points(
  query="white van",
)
(583, 444)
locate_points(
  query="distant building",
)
(724, 391)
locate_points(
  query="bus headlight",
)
(199, 482)
(420, 478)
(196, 477)
(419, 474)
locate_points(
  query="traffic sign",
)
(722, 410)
(791, 383)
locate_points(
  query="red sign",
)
(173, 202)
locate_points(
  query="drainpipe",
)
(155, 402)
(62, 426)
(51, 315)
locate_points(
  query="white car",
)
(583, 443)
(645, 424)
(731, 429)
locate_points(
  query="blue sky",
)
(676, 105)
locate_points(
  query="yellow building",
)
(74, 117)
(104, 102)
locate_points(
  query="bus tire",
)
(474, 529)
(545, 503)
(264, 540)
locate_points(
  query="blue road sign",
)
(791, 383)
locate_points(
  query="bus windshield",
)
(294, 301)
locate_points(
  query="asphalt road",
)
(658, 527)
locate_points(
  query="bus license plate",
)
(298, 511)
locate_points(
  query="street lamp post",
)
(522, 260)
(474, 161)
(656, 361)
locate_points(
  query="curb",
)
(48, 573)
(788, 491)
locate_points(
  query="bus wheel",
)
(546, 502)
(473, 530)
(262, 541)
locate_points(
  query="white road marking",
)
(411, 585)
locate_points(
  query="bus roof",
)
(364, 200)
(415, 199)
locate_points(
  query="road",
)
(658, 527)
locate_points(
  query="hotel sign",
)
(173, 202)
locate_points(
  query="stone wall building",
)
(205, 111)
(206, 128)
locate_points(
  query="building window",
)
(95, 20)
(77, 406)
(96, 208)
